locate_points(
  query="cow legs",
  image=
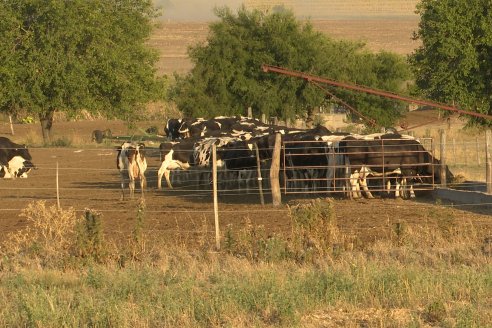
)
(354, 184)
(364, 172)
(160, 173)
(363, 183)
(131, 186)
(122, 175)
(412, 193)
(388, 187)
(143, 184)
(163, 170)
(398, 189)
(167, 174)
(407, 189)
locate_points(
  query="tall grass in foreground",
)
(64, 272)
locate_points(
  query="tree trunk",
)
(46, 123)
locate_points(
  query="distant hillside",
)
(332, 9)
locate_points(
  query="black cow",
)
(15, 159)
(190, 128)
(240, 162)
(99, 135)
(311, 156)
(312, 159)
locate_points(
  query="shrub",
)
(61, 142)
(314, 229)
(53, 237)
(252, 242)
(435, 312)
(90, 239)
(48, 236)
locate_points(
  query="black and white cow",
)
(15, 159)
(311, 157)
(387, 157)
(215, 127)
(187, 153)
(171, 130)
(131, 162)
(240, 163)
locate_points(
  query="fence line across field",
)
(261, 171)
(225, 211)
(151, 178)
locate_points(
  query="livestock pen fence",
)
(331, 178)
(389, 165)
(333, 175)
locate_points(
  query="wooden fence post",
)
(57, 188)
(443, 158)
(275, 170)
(488, 160)
(11, 125)
(263, 118)
(250, 112)
(258, 170)
(216, 205)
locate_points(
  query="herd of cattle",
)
(314, 160)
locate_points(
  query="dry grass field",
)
(172, 39)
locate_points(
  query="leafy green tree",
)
(10, 93)
(454, 63)
(79, 54)
(227, 77)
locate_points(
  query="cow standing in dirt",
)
(131, 161)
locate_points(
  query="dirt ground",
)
(88, 178)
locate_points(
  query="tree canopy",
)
(58, 55)
(454, 63)
(227, 78)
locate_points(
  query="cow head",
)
(4, 172)
(141, 150)
(172, 128)
(22, 152)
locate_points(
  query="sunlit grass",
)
(58, 275)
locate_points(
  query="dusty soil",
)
(88, 179)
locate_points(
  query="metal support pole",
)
(443, 158)
(258, 170)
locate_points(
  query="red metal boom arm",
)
(386, 94)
